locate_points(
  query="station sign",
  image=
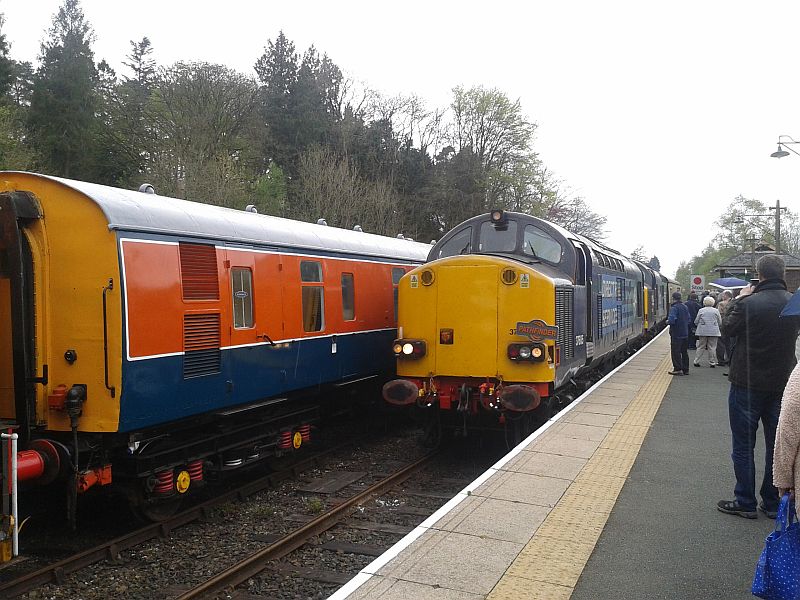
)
(698, 284)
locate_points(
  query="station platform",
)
(615, 497)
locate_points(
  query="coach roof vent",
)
(358, 228)
(322, 222)
(251, 208)
(147, 188)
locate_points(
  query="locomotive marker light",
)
(409, 348)
(529, 352)
(499, 217)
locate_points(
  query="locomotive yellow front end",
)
(477, 340)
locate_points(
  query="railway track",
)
(110, 550)
(280, 534)
(258, 561)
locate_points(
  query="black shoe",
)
(696, 365)
(770, 513)
(712, 366)
(676, 372)
(725, 373)
(733, 508)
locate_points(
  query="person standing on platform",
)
(707, 321)
(760, 365)
(723, 343)
(694, 307)
(785, 463)
(678, 321)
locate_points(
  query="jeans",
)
(680, 353)
(722, 350)
(745, 408)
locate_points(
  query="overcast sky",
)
(659, 114)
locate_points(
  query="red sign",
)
(697, 281)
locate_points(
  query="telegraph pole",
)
(777, 208)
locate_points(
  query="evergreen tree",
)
(654, 263)
(7, 68)
(64, 102)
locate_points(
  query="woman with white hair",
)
(707, 321)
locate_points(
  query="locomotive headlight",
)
(426, 277)
(409, 348)
(524, 352)
(536, 352)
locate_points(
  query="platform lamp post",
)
(784, 147)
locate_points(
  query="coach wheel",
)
(148, 510)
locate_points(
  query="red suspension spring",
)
(305, 431)
(164, 482)
(195, 470)
(285, 440)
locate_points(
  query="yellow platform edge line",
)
(550, 565)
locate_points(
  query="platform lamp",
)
(784, 147)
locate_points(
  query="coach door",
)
(17, 356)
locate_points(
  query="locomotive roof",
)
(554, 228)
(130, 210)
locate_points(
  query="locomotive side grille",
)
(201, 344)
(199, 276)
(564, 321)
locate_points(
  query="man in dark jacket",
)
(762, 360)
(678, 320)
(694, 307)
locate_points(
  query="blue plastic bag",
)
(778, 571)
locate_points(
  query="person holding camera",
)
(761, 362)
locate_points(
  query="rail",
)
(255, 563)
(57, 572)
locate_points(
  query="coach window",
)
(313, 295)
(242, 287)
(497, 239)
(540, 244)
(348, 297)
(460, 243)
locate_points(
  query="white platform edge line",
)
(371, 569)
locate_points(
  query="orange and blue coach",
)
(154, 340)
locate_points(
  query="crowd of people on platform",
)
(755, 334)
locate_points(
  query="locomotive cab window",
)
(540, 244)
(497, 239)
(460, 243)
(313, 296)
(242, 289)
(348, 297)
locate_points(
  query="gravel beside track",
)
(167, 567)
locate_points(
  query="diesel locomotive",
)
(511, 317)
(149, 341)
